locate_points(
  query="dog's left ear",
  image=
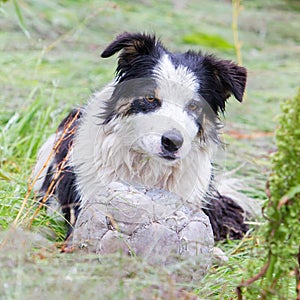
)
(132, 46)
(228, 76)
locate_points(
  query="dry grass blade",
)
(64, 135)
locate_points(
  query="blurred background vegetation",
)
(50, 62)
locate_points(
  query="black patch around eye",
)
(127, 90)
(143, 106)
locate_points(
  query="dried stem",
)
(66, 132)
(236, 5)
(261, 273)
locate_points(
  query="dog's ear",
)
(132, 46)
(229, 78)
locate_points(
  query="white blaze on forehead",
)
(175, 84)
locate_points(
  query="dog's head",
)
(169, 102)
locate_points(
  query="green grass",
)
(59, 66)
(204, 39)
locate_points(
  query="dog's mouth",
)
(150, 147)
(168, 155)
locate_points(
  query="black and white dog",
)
(155, 126)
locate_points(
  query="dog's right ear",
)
(132, 46)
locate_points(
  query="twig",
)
(45, 165)
(66, 132)
(236, 4)
(261, 273)
(298, 277)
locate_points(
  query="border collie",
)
(154, 126)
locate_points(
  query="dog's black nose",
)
(171, 140)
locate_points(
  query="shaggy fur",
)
(155, 126)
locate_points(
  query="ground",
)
(54, 64)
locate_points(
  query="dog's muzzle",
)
(171, 142)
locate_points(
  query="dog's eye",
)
(192, 106)
(150, 98)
